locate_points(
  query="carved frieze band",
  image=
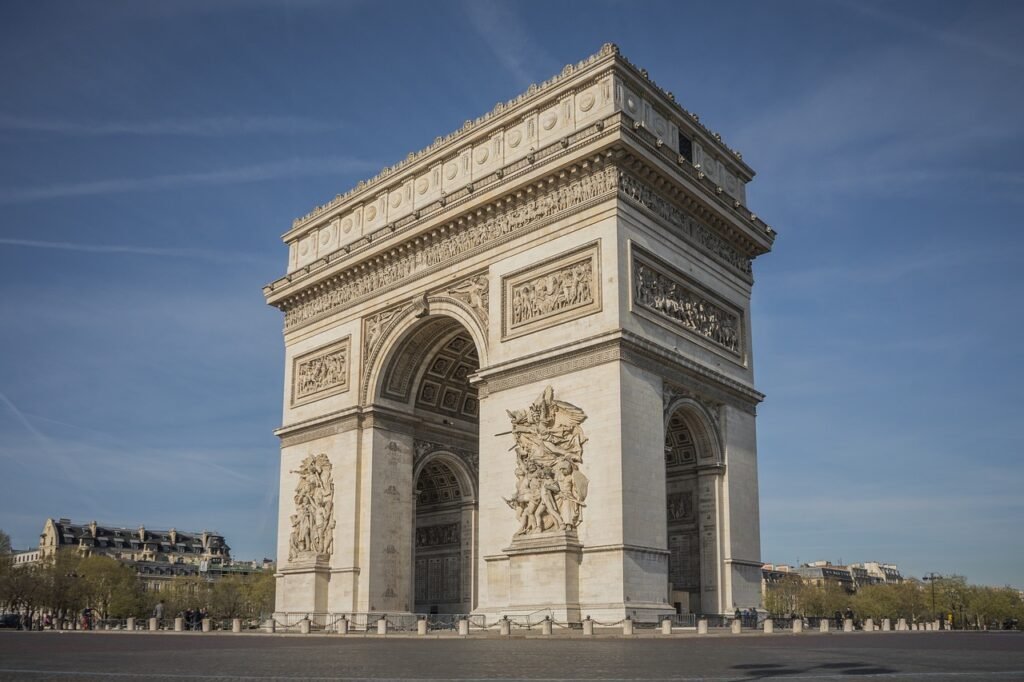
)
(439, 535)
(641, 194)
(321, 372)
(560, 289)
(460, 238)
(454, 243)
(667, 295)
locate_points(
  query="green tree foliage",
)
(970, 606)
(823, 600)
(109, 587)
(5, 542)
(66, 583)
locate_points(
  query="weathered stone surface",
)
(518, 372)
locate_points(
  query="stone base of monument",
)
(303, 583)
(544, 573)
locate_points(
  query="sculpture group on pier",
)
(550, 488)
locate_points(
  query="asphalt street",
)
(195, 656)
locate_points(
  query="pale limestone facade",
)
(519, 372)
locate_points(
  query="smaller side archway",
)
(693, 469)
(444, 535)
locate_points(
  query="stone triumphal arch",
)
(519, 372)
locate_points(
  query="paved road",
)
(888, 656)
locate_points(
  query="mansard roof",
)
(68, 533)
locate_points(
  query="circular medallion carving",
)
(549, 120)
(325, 235)
(587, 101)
(303, 247)
(396, 200)
(422, 185)
(346, 225)
(451, 170)
(631, 104)
(371, 213)
(514, 138)
(481, 155)
(659, 127)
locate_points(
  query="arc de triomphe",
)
(519, 372)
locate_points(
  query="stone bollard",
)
(270, 625)
(666, 626)
(901, 624)
(886, 625)
(545, 626)
(154, 624)
(702, 626)
(798, 626)
(935, 626)
(737, 626)
(206, 624)
(421, 626)
(131, 624)
(769, 626)
(343, 626)
(848, 625)
(236, 625)
(382, 626)
(304, 626)
(869, 625)
(588, 627)
(823, 627)
(464, 627)
(627, 627)
(506, 626)
(179, 624)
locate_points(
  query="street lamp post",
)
(932, 577)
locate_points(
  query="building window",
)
(685, 148)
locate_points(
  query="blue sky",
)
(151, 155)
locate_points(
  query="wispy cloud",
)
(221, 126)
(201, 254)
(959, 39)
(23, 420)
(226, 176)
(505, 34)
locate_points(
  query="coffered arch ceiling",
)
(432, 368)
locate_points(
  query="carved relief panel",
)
(560, 289)
(312, 534)
(320, 373)
(665, 295)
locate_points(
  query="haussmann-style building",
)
(518, 369)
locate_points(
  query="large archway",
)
(425, 381)
(692, 468)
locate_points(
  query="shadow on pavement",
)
(760, 671)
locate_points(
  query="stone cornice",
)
(661, 190)
(535, 97)
(619, 346)
(696, 193)
(414, 257)
(367, 417)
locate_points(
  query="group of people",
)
(748, 617)
(193, 618)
